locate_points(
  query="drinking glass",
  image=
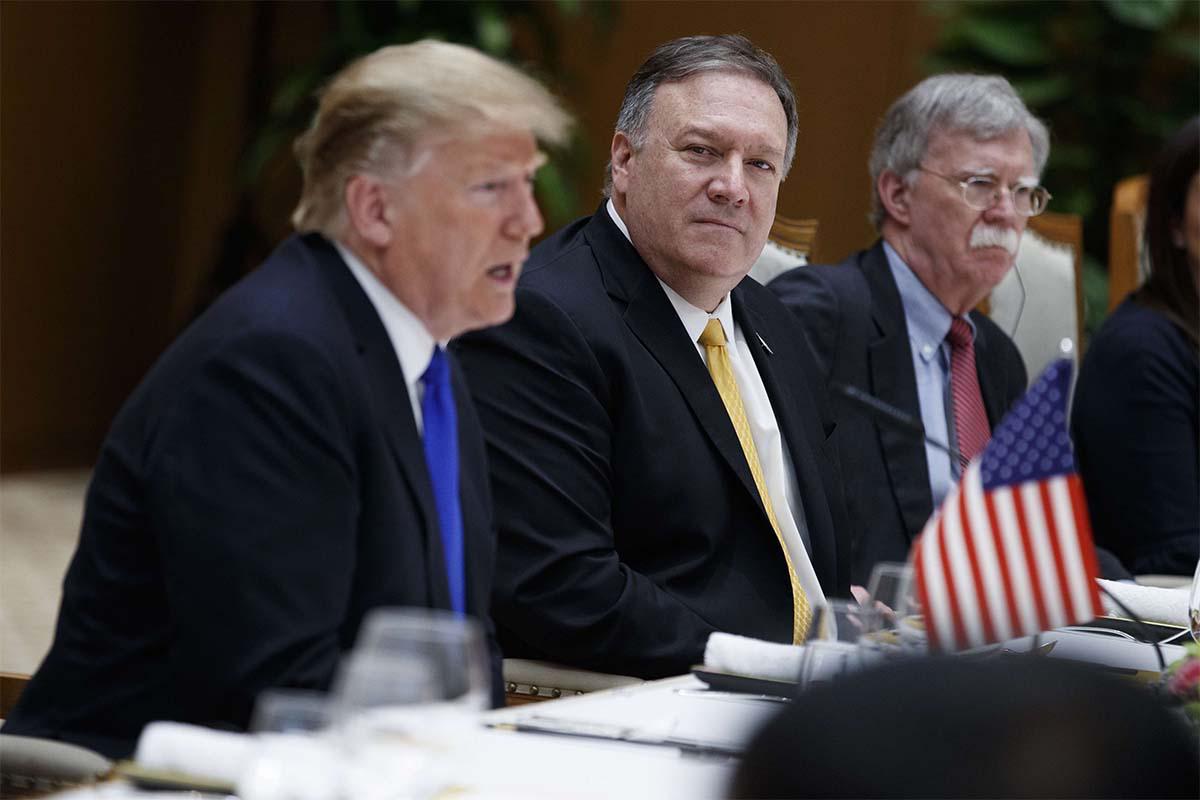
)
(832, 648)
(294, 759)
(893, 622)
(409, 694)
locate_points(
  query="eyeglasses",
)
(981, 193)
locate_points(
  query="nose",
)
(729, 185)
(526, 220)
(1004, 210)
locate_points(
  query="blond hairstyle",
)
(373, 112)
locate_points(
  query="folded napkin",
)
(1149, 603)
(269, 766)
(741, 655)
(193, 750)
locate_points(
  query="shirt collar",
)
(694, 318)
(927, 319)
(411, 341)
(616, 218)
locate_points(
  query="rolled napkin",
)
(193, 750)
(1149, 603)
(741, 655)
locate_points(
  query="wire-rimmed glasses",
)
(982, 192)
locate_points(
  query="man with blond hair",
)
(306, 451)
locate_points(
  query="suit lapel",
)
(652, 319)
(889, 358)
(389, 396)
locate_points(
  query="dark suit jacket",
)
(854, 320)
(629, 524)
(261, 490)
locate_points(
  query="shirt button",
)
(927, 351)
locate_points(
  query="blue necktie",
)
(441, 456)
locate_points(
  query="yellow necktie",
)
(713, 340)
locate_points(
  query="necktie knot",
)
(960, 334)
(713, 335)
(438, 372)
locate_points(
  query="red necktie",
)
(970, 420)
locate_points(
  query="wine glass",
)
(408, 694)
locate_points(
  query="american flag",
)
(1010, 551)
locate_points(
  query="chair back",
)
(789, 245)
(1126, 266)
(11, 686)
(1049, 263)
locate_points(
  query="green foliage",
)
(1112, 80)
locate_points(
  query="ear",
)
(620, 154)
(894, 192)
(368, 209)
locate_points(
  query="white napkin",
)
(266, 766)
(1149, 603)
(742, 655)
(193, 750)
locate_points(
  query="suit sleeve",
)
(548, 414)
(253, 498)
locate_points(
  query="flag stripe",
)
(953, 536)
(983, 539)
(1011, 607)
(1014, 549)
(1035, 584)
(1068, 542)
(1052, 535)
(937, 613)
(956, 631)
(923, 593)
(1031, 505)
(969, 534)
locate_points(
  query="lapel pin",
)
(763, 342)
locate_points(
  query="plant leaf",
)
(1009, 41)
(1149, 15)
(1043, 91)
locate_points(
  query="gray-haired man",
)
(955, 168)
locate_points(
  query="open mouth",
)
(502, 272)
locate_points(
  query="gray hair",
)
(680, 59)
(983, 106)
(376, 110)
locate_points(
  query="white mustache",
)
(983, 235)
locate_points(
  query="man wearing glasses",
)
(955, 167)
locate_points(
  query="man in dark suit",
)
(955, 167)
(306, 452)
(659, 457)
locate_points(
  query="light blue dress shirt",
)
(928, 323)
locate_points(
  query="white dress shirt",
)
(778, 472)
(411, 341)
